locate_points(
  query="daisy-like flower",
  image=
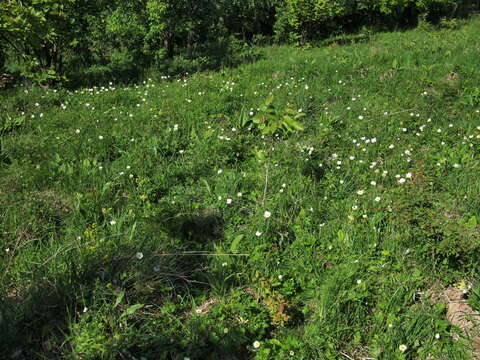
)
(229, 201)
(139, 255)
(258, 233)
(401, 180)
(112, 222)
(360, 192)
(256, 344)
(100, 137)
(267, 214)
(354, 207)
(377, 199)
(403, 348)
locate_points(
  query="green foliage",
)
(35, 33)
(179, 23)
(471, 97)
(271, 120)
(88, 41)
(306, 20)
(247, 18)
(89, 339)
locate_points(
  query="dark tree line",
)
(52, 40)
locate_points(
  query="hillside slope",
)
(313, 205)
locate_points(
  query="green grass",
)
(134, 220)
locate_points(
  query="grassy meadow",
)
(315, 204)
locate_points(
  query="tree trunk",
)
(2, 60)
(169, 45)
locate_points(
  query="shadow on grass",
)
(36, 322)
(210, 56)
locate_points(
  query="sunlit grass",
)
(160, 221)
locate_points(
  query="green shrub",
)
(272, 120)
(306, 20)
